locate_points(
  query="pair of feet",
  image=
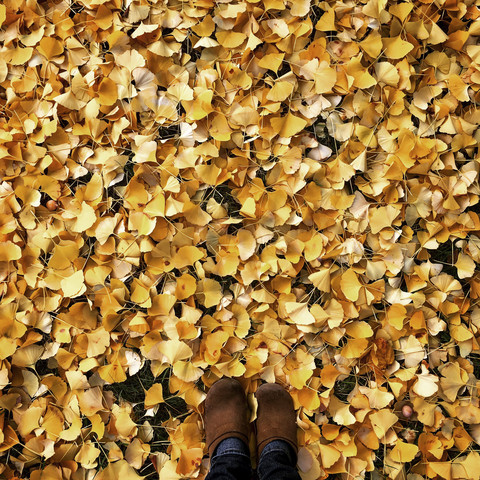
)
(227, 415)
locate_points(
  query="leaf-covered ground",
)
(274, 190)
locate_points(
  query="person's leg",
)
(230, 461)
(227, 430)
(276, 434)
(278, 461)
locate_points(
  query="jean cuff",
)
(279, 446)
(231, 446)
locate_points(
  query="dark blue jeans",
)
(231, 461)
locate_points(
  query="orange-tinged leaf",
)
(107, 92)
(214, 343)
(50, 47)
(329, 455)
(457, 39)
(8, 438)
(189, 461)
(104, 17)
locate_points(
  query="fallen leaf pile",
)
(273, 190)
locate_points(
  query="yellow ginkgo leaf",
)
(209, 291)
(288, 126)
(299, 377)
(465, 266)
(396, 48)
(403, 452)
(453, 379)
(298, 313)
(3, 14)
(321, 279)
(230, 39)
(382, 421)
(426, 384)
(248, 208)
(174, 350)
(74, 285)
(98, 341)
(280, 91)
(187, 255)
(246, 244)
(118, 470)
(197, 216)
(130, 59)
(372, 44)
(9, 251)
(186, 371)
(354, 348)
(154, 395)
(326, 23)
(186, 286)
(84, 218)
(350, 285)
(87, 455)
(396, 315)
(271, 61)
(387, 73)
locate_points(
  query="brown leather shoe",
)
(226, 413)
(276, 419)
